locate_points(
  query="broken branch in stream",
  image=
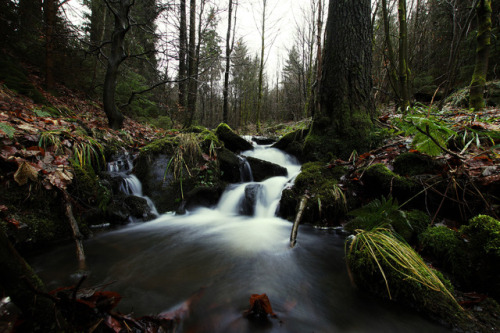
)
(298, 218)
(77, 236)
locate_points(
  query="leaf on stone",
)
(24, 172)
(260, 307)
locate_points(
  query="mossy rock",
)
(381, 181)
(165, 145)
(386, 214)
(325, 206)
(483, 235)
(412, 164)
(229, 165)
(232, 141)
(292, 143)
(448, 251)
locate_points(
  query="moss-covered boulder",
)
(380, 181)
(448, 251)
(483, 235)
(414, 163)
(327, 203)
(232, 141)
(386, 214)
(292, 143)
(262, 170)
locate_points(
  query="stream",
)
(158, 265)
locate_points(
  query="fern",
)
(8, 130)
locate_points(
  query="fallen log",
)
(77, 236)
(298, 218)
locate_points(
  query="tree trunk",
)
(191, 97)
(344, 121)
(393, 76)
(476, 98)
(261, 66)
(182, 57)
(116, 57)
(403, 57)
(229, 49)
(319, 58)
(50, 12)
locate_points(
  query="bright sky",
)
(282, 19)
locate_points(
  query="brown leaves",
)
(24, 172)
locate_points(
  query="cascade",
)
(130, 184)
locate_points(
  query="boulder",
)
(139, 208)
(232, 141)
(229, 165)
(262, 170)
(250, 200)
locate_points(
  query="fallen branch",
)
(77, 236)
(298, 218)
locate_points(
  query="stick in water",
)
(295, 229)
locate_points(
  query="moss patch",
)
(381, 181)
(412, 164)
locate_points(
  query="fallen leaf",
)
(24, 172)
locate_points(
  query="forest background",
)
(180, 63)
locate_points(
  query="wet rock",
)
(139, 208)
(117, 212)
(203, 197)
(411, 164)
(251, 197)
(229, 165)
(263, 170)
(292, 143)
(232, 141)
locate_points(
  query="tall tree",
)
(261, 64)
(404, 69)
(476, 99)
(182, 56)
(343, 123)
(229, 50)
(120, 10)
(191, 90)
(49, 13)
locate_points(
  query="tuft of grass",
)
(386, 250)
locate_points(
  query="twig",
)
(298, 218)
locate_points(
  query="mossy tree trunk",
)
(476, 99)
(343, 122)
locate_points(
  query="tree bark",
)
(182, 57)
(261, 65)
(403, 57)
(229, 50)
(344, 121)
(476, 98)
(50, 12)
(116, 57)
(191, 91)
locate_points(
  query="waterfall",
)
(130, 184)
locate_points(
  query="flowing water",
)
(158, 265)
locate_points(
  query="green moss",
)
(382, 181)
(483, 233)
(411, 164)
(165, 145)
(16, 79)
(447, 249)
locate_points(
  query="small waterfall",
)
(245, 170)
(130, 185)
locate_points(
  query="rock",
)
(232, 141)
(251, 197)
(117, 212)
(262, 170)
(139, 208)
(202, 197)
(229, 165)
(412, 164)
(261, 140)
(292, 143)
